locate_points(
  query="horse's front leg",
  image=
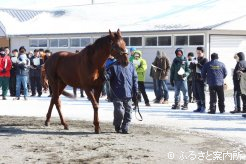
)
(91, 96)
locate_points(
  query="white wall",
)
(226, 46)
(16, 42)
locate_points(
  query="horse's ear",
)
(111, 34)
(118, 32)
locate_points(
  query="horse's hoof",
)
(66, 128)
(46, 123)
(98, 131)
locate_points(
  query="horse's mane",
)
(90, 49)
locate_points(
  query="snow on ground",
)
(227, 126)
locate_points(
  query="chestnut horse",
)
(83, 70)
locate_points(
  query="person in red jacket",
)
(5, 67)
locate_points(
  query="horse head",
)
(118, 48)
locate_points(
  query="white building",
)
(218, 26)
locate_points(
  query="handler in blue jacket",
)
(215, 73)
(124, 84)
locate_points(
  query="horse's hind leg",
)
(56, 92)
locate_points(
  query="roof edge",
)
(229, 21)
(93, 33)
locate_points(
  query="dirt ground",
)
(27, 140)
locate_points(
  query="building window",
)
(53, 42)
(85, 42)
(151, 41)
(164, 41)
(79, 42)
(63, 42)
(38, 43)
(135, 41)
(58, 42)
(33, 43)
(181, 40)
(196, 40)
(126, 39)
(75, 42)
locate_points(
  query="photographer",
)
(199, 86)
(22, 72)
(35, 73)
(191, 78)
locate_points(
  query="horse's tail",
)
(67, 94)
(44, 79)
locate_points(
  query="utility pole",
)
(92, 2)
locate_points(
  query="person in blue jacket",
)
(124, 84)
(215, 73)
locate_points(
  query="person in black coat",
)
(35, 73)
(12, 80)
(240, 66)
(199, 84)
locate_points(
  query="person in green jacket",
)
(178, 79)
(141, 67)
(132, 50)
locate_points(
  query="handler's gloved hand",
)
(4, 70)
(135, 99)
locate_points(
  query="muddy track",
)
(27, 140)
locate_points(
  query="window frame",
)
(171, 43)
(188, 35)
(197, 35)
(136, 36)
(58, 39)
(80, 46)
(157, 44)
(38, 42)
(180, 35)
(150, 36)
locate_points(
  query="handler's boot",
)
(185, 106)
(237, 110)
(176, 106)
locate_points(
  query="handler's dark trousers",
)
(214, 91)
(122, 114)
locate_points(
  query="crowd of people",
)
(190, 74)
(21, 72)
